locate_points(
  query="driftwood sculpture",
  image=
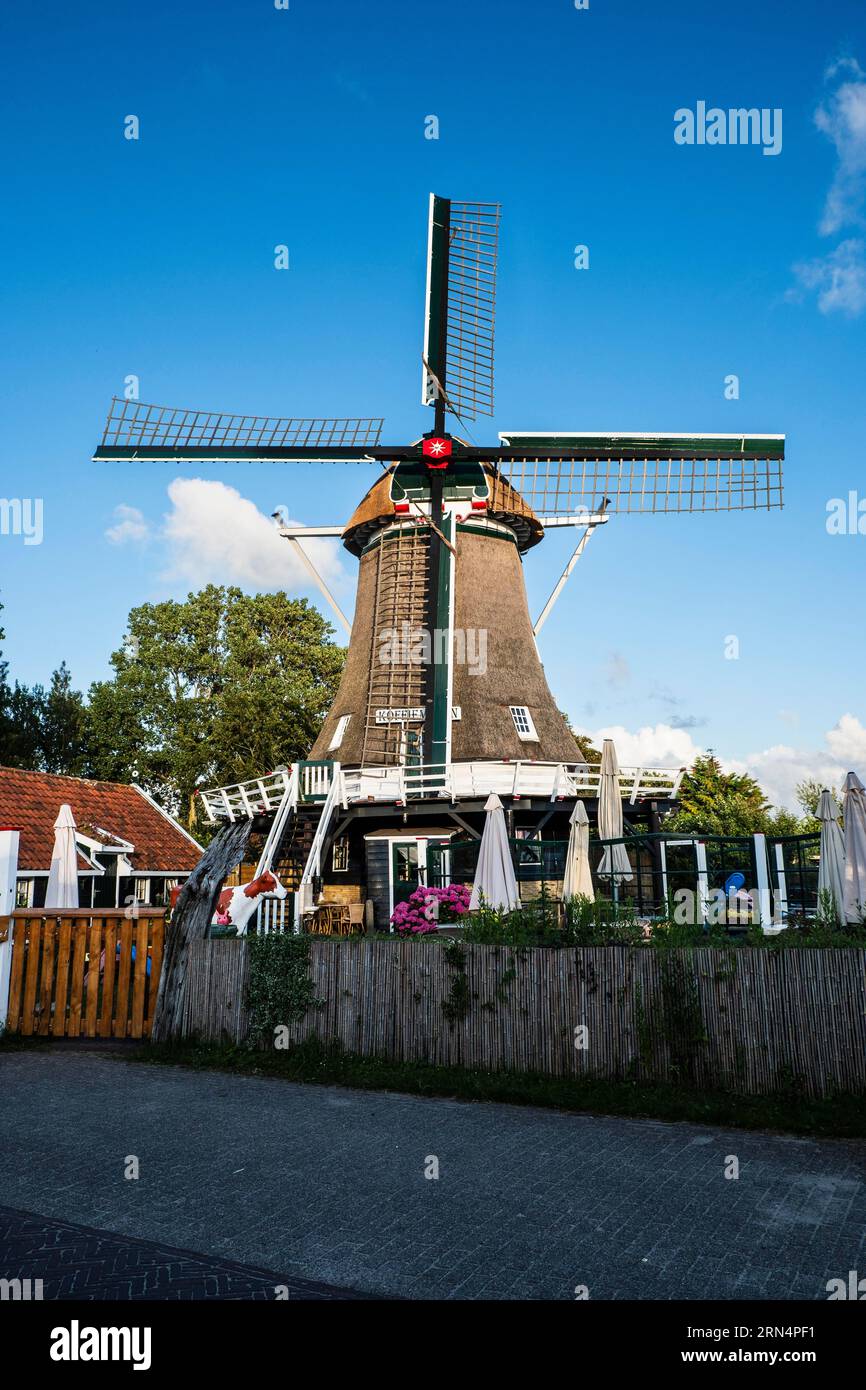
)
(190, 920)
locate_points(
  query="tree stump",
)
(190, 920)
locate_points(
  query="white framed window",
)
(25, 892)
(523, 723)
(342, 726)
(340, 855)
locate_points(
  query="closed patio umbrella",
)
(615, 862)
(495, 881)
(577, 882)
(62, 890)
(831, 869)
(854, 807)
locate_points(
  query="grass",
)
(842, 1116)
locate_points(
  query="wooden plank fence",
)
(84, 974)
(743, 1020)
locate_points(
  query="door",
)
(405, 870)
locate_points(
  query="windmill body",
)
(443, 698)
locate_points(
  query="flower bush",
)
(428, 907)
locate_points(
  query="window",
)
(342, 726)
(340, 855)
(523, 723)
(24, 893)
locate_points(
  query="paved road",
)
(75, 1262)
(329, 1185)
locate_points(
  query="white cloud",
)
(839, 279)
(214, 535)
(842, 118)
(130, 526)
(847, 741)
(778, 769)
(654, 745)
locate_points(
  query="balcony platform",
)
(309, 783)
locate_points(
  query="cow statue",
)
(235, 906)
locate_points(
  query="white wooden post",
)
(762, 874)
(782, 883)
(703, 879)
(9, 837)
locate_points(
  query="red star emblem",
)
(437, 449)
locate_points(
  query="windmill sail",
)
(561, 474)
(460, 312)
(158, 433)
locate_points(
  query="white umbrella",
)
(577, 882)
(831, 870)
(62, 890)
(854, 803)
(615, 861)
(495, 881)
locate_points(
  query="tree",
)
(588, 750)
(5, 695)
(719, 803)
(63, 726)
(211, 690)
(40, 729)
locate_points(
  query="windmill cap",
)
(376, 510)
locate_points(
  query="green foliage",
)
(713, 802)
(327, 1064)
(581, 922)
(279, 989)
(600, 922)
(217, 688)
(456, 1006)
(719, 803)
(587, 748)
(214, 689)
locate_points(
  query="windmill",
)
(423, 714)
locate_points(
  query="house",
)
(128, 847)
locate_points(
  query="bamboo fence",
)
(752, 1021)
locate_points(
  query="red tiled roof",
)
(31, 800)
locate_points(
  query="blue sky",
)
(306, 127)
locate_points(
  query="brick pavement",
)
(328, 1185)
(75, 1262)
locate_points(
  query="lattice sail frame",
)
(563, 487)
(472, 262)
(135, 425)
(460, 314)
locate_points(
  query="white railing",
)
(260, 795)
(282, 792)
(313, 866)
(272, 915)
(287, 808)
(246, 799)
(315, 782)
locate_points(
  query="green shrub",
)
(279, 990)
